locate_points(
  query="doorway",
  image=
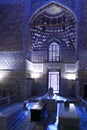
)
(53, 81)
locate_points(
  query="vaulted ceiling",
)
(53, 21)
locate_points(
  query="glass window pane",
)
(54, 52)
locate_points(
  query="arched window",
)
(53, 52)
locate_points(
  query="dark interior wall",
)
(29, 88)
(39, 56)
(67, 55)
(12, 73)
(68, 88)
(82, 81)
(83, 49)
(12, 46)
(12, 83)
(40, 86)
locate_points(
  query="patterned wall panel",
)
(70, 2)
(85, 23)
(11, 27)
(70, 68)
(12, 64)
(10, 1)
(35, 4)
(38, 67)
(12, 61)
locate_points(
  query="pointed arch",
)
(41, 9)
(59, 19)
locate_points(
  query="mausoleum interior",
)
(43, 64)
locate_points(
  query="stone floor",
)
(83, 117)
(25, 123)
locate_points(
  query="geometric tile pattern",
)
(11, 64)
(10, 1)
(70, 68)
(35, 5)
(11, 27)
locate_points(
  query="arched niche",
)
(52, 21)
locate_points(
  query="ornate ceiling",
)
(53, 9)
(53, 21)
